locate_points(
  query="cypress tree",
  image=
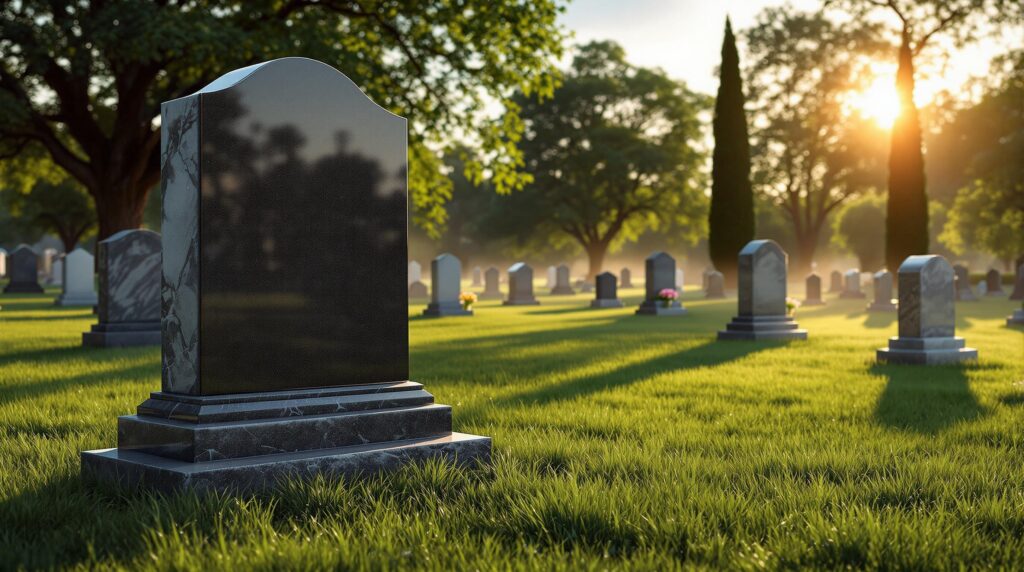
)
(906, 221)
(731, 221)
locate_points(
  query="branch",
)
(954, 15)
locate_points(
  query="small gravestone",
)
(982, 288)
(851, 285)
(445, 272)
(585, 287)
(964, 293)
(552, 277)
(285, 330)
(49, 255)
(679, 279)
(1016, 318)
(129, 297)
(835, 282)
(492, 287)
(3, 263)
(715, 285)
(763, 312)
(520, 286)
(882, 286)
(418, 290)
(415, 272)
(57, 269)
(927, 316)
(1018, 283)
(607, 292)
(625, 278)
(23, 270)
(478, 277)
(994, 283)
(562, 285)
(79, 283)
(812, 291)
(660, 276)
(704, 277)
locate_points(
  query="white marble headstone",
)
(79, 282)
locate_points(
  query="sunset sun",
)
(878, 102)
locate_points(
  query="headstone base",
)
(649, 308)
(926, 351)
(86, 299)
(562, 291)
(1016, 319)
(532, 302)
(121, 335)
(249, 442)
(489, 296)
(606, 303)
(23, 288)
(435, 310)
(762, 328)
(852, 295)
(815, 302)
(881, 307)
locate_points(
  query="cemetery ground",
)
(619, 441)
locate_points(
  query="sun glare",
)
(878, 102)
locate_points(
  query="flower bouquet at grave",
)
(467, 299)
(667, 296)
(791, 305)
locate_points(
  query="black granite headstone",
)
(607, 292)
(661, 275)
(23, 270)
(284, 309)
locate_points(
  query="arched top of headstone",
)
(292, 65)
(992, 272)
(23, 247)
(120, 235)
(881, 273)
(921, 262)
(607, 275)
(764, 245)
(661, 256)
(517, 267)
(445, 256)
(491, 269)
(563, 267)
(78, 252)
(813, 275)
(852, 272)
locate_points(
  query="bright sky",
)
(684, 37)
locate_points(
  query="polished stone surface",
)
(129, 296)
(812, 291)
(520, 286)
(607, 292)
(927, 316)
(882, 286)
(415, 273)
(289, 231)
(762, 296)
(562, 285)
(79, 280)
(492, 286)
(835, 282)
(660, 270)
(851, 285)
(962, 282)
(23, 271)
(994, 283)
(445, 279)
(625, 278)
(1018, 283)
(714, 288)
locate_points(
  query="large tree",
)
(612, 154)
(731, 219)
(84, 80)
(919, 23)
(811, 151)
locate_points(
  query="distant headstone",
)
(882, 286)
(585, 287)
(964, 293)
(835, 282)
(660, 275)
(994, 283)
(23, 270)
(415, 272)
(1016, 318)
(520, 286)
(562, 285)
(625, 278)
(679, 279)
(927, 316)
(418, 290)
(57, 271)
(445, 272)
(478, 277)
(714, 287)
(3, 263)
(704, 277)
(1018, 284)
(552, 277)
(763, 314)
(812, 291)
(607, 293)
(79, 283)
(851, 285)
(129, 297)
(285, 329)
(982, 288)
(492, 288)
(49, 255)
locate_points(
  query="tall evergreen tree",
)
(906, 221)
(731, 221)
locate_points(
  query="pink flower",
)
(668, 294)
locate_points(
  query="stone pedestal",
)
(762, 328)
(658, 308)
(762, 296)
(443, 309)
(926, 351)
(1016, 318)
(129, 297)
(251, 441)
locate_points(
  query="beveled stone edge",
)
(226, 398)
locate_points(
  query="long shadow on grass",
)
(39, 388)
(925, 399)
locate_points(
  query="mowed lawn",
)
(620, 441)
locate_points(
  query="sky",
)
(684, 37)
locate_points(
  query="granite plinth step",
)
(204, 442)
(122, 334)
(435, 310)
(926, 351)
(648, 308)
(606, 303)
(252, 474)
(520, 303)
(753, 328)
(1016, 319)
(277, 404)
(882, 307)
(23, 288)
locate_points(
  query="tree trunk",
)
(118, 208)
(806, 246)
(595, 254)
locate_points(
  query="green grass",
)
(620, 441)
